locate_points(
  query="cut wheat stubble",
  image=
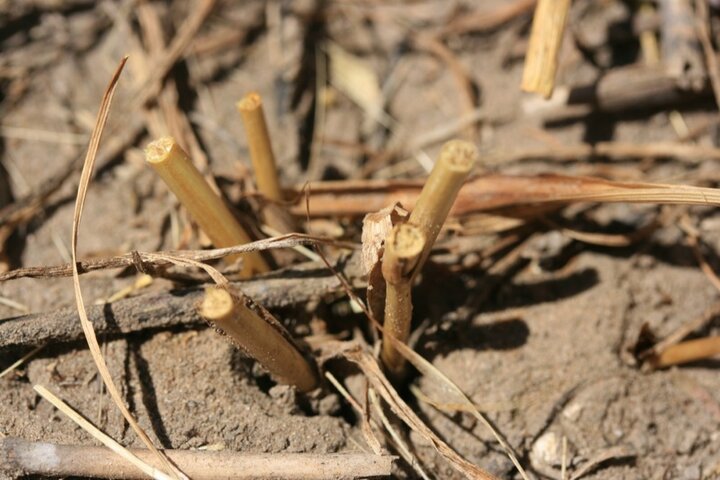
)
(255, 331)
(403, 248)
(263, 162)
(541, 60)
(169, 160)
(408, 246)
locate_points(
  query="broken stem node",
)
(171, 162)
(403, 248)
(253, 329)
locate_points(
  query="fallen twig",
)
(20, 457)
(85, 424)
(619, 89)
(484, 20)
(284, 288)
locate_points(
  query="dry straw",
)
(456, 161)
(254, 330)
(408, 246)
(261, 154)
(87, 326)
(171, 162)
(106, 440)
(263, 162)
(686, 352)
(403, 248)
(541, 60)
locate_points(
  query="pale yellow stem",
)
(261, 154)
(403, 248)
(253, 329)
(205, 206)
(541, 59)
(689, 351)
(456, 161)
(263, 162)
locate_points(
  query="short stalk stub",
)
(171, 162)
(261, 154)
(403, 248)
(541, 59)
(263, 162)
(242, 320)
(456, 161)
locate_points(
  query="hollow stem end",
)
(160, 150)
(251, 101)
(459, 155)
(217, 304)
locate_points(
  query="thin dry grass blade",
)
(400, 444)
(365, 427)
(378, 379)
(453, 395)
(384, 388)
(84, 321)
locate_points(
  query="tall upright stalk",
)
(261, 154)
(171, 162)
(263, 162)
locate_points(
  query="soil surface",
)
(545, 346)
